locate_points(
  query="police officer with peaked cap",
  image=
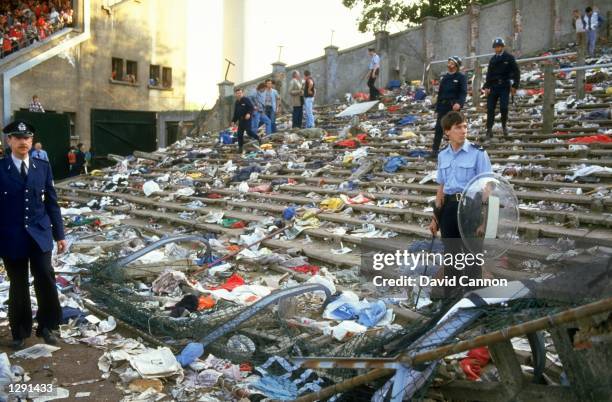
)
(503, 77)
(458, 163)
(30, 219)
(451, 96)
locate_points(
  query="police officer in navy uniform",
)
(458, 163)
(451, 96)
(30, 219)
(503, 77)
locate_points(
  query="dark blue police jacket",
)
(28, 209)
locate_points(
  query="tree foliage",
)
(377, 14)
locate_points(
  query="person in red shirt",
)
(38, 10)
(45, 8)
(7, 46)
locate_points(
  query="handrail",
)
(540, 58)
(463, 58)
(587, 67)
(550, 56)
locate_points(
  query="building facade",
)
(131, 66)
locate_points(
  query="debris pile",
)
(233, 268)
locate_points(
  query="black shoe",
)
(17, 344)
(239, 150)
(489, 133)
(48, 336)
(505, 130)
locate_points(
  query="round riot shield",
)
(488, 215)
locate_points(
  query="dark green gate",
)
(122, 132)
(53, 132)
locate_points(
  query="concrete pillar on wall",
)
(226, 94)
(429, 38)
(517, 27)
(555, 17)
(331, 74)
(473, 32)
(382, 48)
(279, 74)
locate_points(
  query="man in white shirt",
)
(591, 23)
(373, 70)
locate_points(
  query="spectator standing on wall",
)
(309, 94)
(271, 102)
(373, 70)
(297, 99)
(35, 105)
(54, 17)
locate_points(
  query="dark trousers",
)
(501, 93)
(248, 127)
(374, 92)
(49, 312)
(453, 244)
(441, 112)
(296, 117)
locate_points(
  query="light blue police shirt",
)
(374, 62)
(456, 169)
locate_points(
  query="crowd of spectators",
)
(23, 23)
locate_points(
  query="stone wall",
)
(528, 26)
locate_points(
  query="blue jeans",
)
(591, 40)
(271, 113)
(308, 104)
(296, 117)
(258, 119)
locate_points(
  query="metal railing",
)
(583, 68)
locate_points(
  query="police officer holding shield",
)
(503, 77)
(30, 219)
(458, 163)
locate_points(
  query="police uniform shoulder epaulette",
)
(478, 147)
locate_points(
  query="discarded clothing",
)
(232, 283)
(187, 303)
(600, 138)
(393, 163)
(588, 170)
(245, 173)
(332, 204)
(410, 119)
(190, 353)
(307, 269)
(419, 153)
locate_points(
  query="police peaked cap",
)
(19, 128)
